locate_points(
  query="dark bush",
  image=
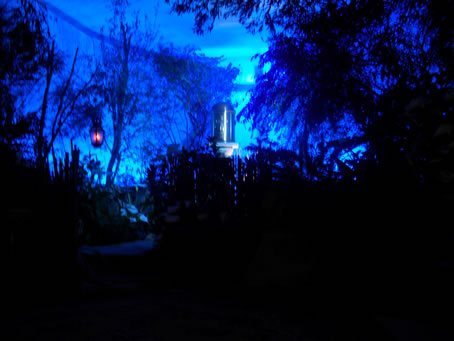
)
(361, 242)
(39, 230)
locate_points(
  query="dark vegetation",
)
(39, 227)
(372, 244)
(375, 234)
(369, 245)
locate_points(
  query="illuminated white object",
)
(226, 149)
(223, 128)
(225, 124)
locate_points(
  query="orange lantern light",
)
(97, 134)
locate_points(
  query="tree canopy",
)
(196, 82)
(367, 59)
(22, 62)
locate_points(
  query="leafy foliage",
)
(331, 58)
(193, 83)
(34, 70)
(111, 214)
(22, 61)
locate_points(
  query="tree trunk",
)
(120, 106)
(114, 157)
(109, 174)
(304, 151)
(41, 143)
(62, 115)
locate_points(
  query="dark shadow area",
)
(290, 260)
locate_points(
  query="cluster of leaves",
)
(110, 214)
(417, 143)
(21, 64)
(268, 164)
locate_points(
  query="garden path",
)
(118, 306)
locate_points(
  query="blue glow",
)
(250, 78)
(266, 67)
(229, 39)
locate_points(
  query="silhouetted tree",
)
(65, 99)
(196, 82)
(32, 60)
(368, 59)
(123, 81)
(24, 37)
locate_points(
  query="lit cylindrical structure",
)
(223, 123)
(223, 129)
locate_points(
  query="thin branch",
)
(62, 99)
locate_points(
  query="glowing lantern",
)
(97, 134)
